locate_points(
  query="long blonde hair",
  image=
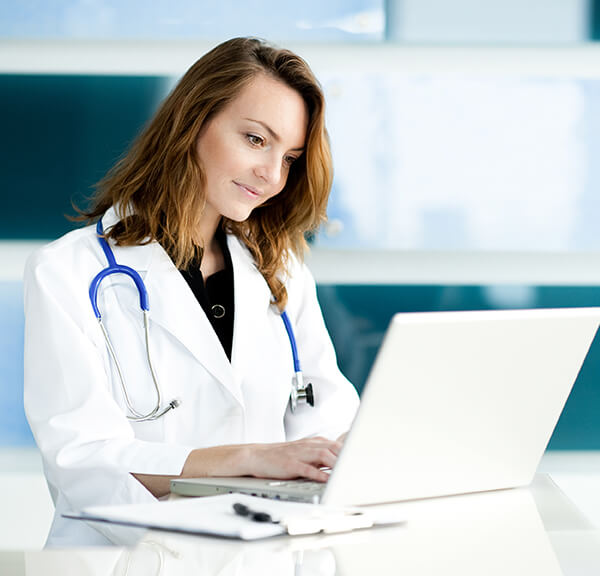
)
(157, 187)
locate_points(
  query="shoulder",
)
(296, 270)
(299, 283)
(57, 277)
(294, 273)
(64, 253)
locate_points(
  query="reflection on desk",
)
(509, 532)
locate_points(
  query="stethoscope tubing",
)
(299, 391)
(114, 268)
(292, 338)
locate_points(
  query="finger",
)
(312, 473)
(334, 445)
(321, 457)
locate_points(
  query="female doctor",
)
(206, 217)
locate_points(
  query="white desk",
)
(534, 531)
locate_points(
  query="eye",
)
(255, 140)
(289, 160)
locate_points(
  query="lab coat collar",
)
(174, 306)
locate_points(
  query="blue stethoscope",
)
(300, 392)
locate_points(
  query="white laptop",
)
(456, 402)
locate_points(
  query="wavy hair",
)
(157, 187)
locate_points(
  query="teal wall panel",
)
(357, 317)
(60, 136)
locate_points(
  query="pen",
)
(328, 521)
(243, 510)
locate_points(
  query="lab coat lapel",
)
(252, 301)
(174, 307)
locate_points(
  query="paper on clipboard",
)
(214, 515)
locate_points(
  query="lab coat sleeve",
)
(88, 446)
(336, 399)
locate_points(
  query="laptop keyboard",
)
(309, 486)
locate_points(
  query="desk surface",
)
(530, 531)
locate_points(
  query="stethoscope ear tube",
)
(114, 268)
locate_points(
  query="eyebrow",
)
(272, 133)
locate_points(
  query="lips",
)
(249, 190)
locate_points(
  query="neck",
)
(207, 229)
(212, 255)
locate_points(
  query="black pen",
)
(243, 510)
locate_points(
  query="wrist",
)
(234, 460)
(244, 460)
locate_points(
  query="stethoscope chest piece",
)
(301, 394)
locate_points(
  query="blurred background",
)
(465, 135)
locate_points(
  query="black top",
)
(215, 295)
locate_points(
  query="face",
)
(246, 150)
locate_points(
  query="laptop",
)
(456, 402)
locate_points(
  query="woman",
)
(210, 207)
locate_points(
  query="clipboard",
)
(215, 516)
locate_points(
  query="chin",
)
(238, 215)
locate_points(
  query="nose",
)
(270, 170)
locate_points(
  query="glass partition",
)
(464, 162)
(309, 20)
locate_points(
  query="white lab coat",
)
(73, 398)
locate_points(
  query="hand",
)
(300, 459)
(285, 460)
(342, 438)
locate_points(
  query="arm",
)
(284, 460)
(90, 451)
(87, 445)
